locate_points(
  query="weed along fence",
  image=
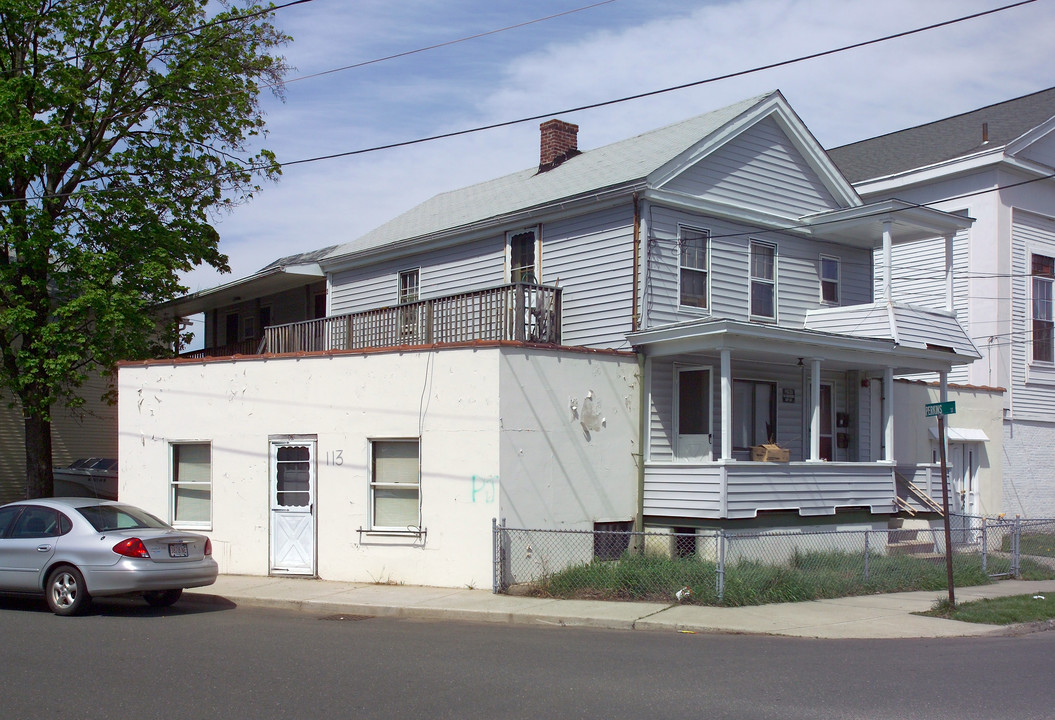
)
(723, 567)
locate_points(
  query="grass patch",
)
(1042, 544)
(806, 576)
(998, 611)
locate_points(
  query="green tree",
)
(124, 126)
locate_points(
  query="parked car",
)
(73, 549)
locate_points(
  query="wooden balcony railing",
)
(518, 311)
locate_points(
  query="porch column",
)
(888, 414)
(888, 243)
(727, 405)
(815, 410)
(948, 274)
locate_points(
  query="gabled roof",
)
(621, 166)
(955, 137)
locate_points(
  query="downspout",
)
(644, 413)
(637, 259)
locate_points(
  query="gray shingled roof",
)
(942, 140)
(606, 167)
(303, 258)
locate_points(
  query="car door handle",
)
(43, 548)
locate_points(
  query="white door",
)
(963, 488)
(693, 410)
(293, 507)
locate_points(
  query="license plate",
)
(178, 550)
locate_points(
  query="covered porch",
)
(746, 418)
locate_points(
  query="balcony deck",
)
(741, 489)
(517, 311)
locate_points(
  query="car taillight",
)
(208, 547)
(133, 547)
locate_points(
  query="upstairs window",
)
(408, 293)
(693, 268)
(829, 280)
(522, 248)
(408, 286)
(1043, 278)
(763, 280)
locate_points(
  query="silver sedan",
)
(71, 549)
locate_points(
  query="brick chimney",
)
(560, 141)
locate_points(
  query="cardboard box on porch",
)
(770, 452)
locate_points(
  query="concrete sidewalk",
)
(870, 616)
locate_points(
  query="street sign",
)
(945, 408)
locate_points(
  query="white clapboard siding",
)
(759, 169)
(591, 257)
(791, 416)
(797, 271)
(1033, 384)
(468, 266)
(918, 278)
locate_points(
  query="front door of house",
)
(292, 507)
(693, 409)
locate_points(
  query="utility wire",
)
(673, 88)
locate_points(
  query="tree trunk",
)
(40, 479)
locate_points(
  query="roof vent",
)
(560, 141)
(985, 133)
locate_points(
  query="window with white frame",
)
(408, 293)
(395, 497)
(408, 286)
(191, 484)
(1043, 272)
(829, 272)
(693, 268)
(522, 247)
(763, 280)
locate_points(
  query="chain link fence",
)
(725, 567)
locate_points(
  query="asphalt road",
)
(126, 660)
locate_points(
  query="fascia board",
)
(929, 173)
(1030, 136)
(734, 213)
(789, 342)
(777, 107)
(567, 207)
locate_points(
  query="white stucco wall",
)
(449, 398)
(976, 408)
(569, 440)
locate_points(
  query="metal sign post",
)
(941, 410)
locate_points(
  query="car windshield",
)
(119, 517)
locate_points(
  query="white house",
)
(996, 165)
(605, 340)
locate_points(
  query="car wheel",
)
(66, 591)
(162, 598)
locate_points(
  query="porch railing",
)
(518, 311)
(741, 489)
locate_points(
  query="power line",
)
(673, 88)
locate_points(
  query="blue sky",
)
(613, 50)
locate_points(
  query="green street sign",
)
(945, 408)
